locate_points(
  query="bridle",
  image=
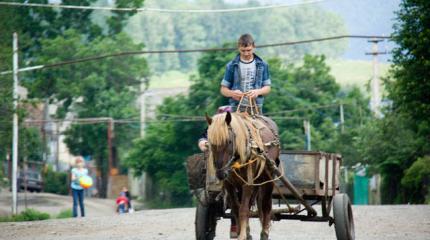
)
(225, 170)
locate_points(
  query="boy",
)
(246, 74)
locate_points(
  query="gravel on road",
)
(391, 222)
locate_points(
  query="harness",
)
(255, 153)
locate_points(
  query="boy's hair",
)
(245, 40)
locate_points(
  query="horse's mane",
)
(218, 133)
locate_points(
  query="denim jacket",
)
(232, 77)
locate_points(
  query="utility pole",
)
(143, 88)
(145, 180)
(15, 125)
(307, 127)
(375, 100)
(112, 170)
(112, 166)
(57, 146)
(342, 120)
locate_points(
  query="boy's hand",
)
(203, 145)
(236, 94)
(253, 93)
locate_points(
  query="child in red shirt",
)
(122, 203)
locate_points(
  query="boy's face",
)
(246, 52)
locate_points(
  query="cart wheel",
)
(205, 222)
(343, 218)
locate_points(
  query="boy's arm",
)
(227, 84)
(265, 89)
(235, 94)
(259, 92)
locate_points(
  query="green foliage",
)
(26, 215)
(410, 90)
(55, 182)
(416, 181)
(42, 39)
(390, 158)
(30, 144)
(188, 31)
(393, 144)
(105, 88)
(65, 214)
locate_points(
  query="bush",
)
(417, 181)
(26, 215)
(65, 214)
(4, 181)
(55, 182)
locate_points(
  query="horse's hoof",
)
(249, 237)
(233, 231)
(264, 236)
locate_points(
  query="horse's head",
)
(226, 141)
(221, 140)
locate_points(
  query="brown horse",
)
(237, 146)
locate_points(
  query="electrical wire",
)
(175, 117)
(127, 53)
(160, 10)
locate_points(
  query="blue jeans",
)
(121, 208)
(78, 196)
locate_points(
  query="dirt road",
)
(400, 222)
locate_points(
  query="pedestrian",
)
(122, 203)
(77, 190)
(128, 196)
(247, 75)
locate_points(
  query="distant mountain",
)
(202, 30)
(362, 17)
(365, 17)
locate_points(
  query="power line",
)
(176, 118)
(127, 53)
(160, 10)
(307, 108)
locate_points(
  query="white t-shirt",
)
(247, 77)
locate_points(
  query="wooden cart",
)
(309, 178)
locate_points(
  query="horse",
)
(238, 144)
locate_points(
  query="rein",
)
(227, 168)
(255, 154)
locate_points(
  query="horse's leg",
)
(265, 204)
(244, 211)
(233, 203)
(248, 231)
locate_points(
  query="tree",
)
(105, 88)
(187, 31)
(416, 180)
(394, 144)
(49, 36)
(410, 90)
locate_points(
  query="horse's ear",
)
(228, 118)
(208, 119)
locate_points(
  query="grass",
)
(34, 215)
(26, 215)
(346, 72)
(170, 79)
(65, 214)
(354, 72)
